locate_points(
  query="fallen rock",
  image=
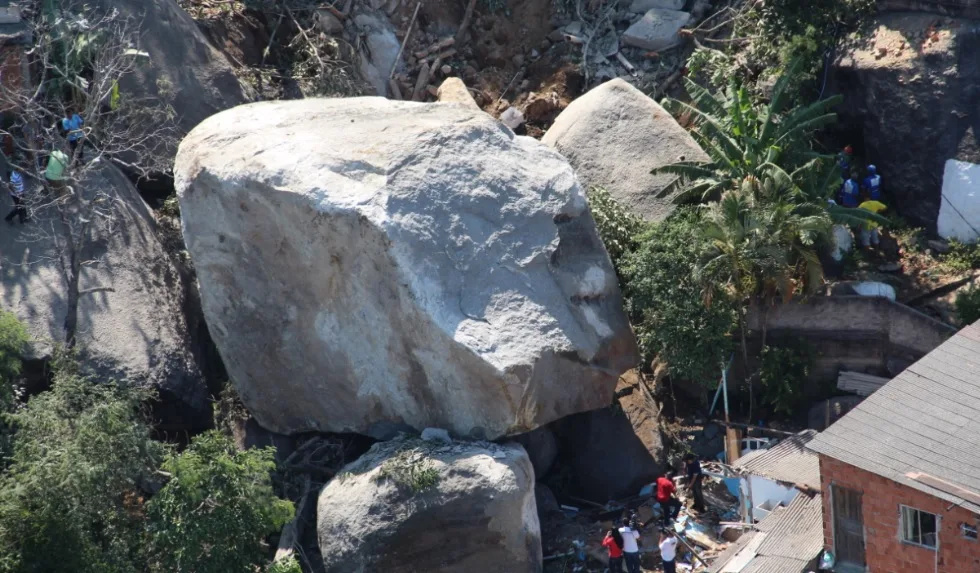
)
(512, 118)
(542, 107)
(938, 246)
(466, 507)
(547, 503)
(370, 266)
(643, 6)
(131, 322)
(606, 459)
(915, 108)
(541, 447)
(436, 435)
(328, 23)
(613, 136)
(382, 51)
(453, 90)
(183, 69)
(657, 29)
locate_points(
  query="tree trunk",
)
(745, 360)
(71, 262)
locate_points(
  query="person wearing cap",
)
(872, 183)
(844, 162)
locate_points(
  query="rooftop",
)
(787, 541)
(926, 420)
(789, 461)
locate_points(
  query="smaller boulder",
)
(546, 501)
(408, 505)
(453, 90)
(328, 23)
(436, 435)
(657, 29)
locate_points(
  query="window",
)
(969, 531)
(919, 527)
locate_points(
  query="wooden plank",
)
(945, 486)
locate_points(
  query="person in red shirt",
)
(614, 543)
(669, 504)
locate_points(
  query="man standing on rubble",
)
(694, 480)
(631, 550)
(669, 504)
(668, 550)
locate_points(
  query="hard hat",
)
(848, 149)
(872, 169)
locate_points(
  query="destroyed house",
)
(900, 473)
(15, 40)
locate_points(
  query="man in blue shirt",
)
(872, 183)
(72, 126)
(17, 195)
(850, 191)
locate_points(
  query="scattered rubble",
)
(657, 30)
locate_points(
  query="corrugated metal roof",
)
(927, 419)
(793, 539)
(788, 461)
(859, 383)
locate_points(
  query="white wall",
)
(960, 207)
(766, 490)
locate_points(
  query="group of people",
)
(53, 162)
(861, 194)
(622, 543)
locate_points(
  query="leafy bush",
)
(968, 305)
(783, 374)
(290, 565)
(70, 499)
(618, 228)
(218, 506)
(962, 257)
(13, 340)
(667, 304)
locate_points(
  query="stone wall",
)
(864, 334)
(880, 509)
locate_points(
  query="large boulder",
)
(184, 69)
(131, 323)
(613, 136)
(407, 506)
(614, 451)
(912, 102)
(369, 266)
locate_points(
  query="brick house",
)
(900, 473)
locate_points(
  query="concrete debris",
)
(453, 90)
(657, 30)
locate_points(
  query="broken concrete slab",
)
(657, 29)
(643, 6)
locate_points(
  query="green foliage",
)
(290, 565)
(410, 468)
(219, 504)
(70, 499)
(783, 374)
(667, 304)
(962, 257)
(13, 341)
(618, 227)
(968, 305)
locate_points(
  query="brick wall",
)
(884, 552)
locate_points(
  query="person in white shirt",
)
(668, 550)
(631, 550)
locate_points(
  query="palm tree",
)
(761, 245)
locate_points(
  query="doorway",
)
(848, 527)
